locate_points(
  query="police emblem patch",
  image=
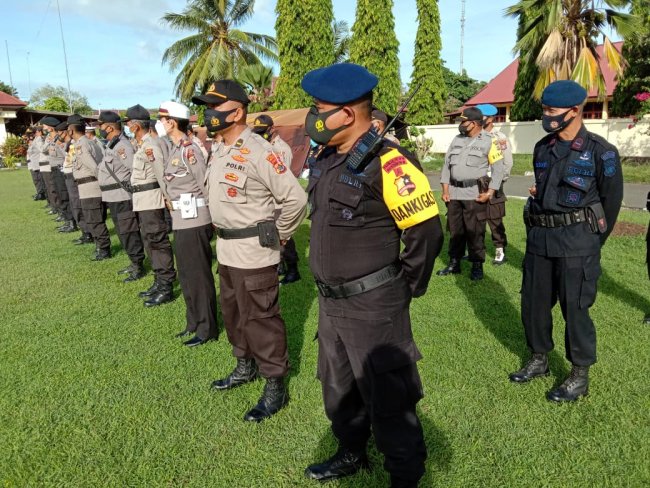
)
(404, 185)
(277, 164)
(122, 153)
(608, 155)
(573, 197)
(609, 167)
(232, 192)
(176, 162)
(346, 214)
(578, 143)
(150, 156)
(586, 156)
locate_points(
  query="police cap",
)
(380, 115)
(488, 109)
(137, 112)
(563, 94)
(222, 91)
(108, 117)
(62, 126)
(263, 121)
(339, 83)
(471, 113)
(49, 121)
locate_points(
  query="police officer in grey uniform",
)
(184, 176)
(57, 158)
(114, 177)
(246, 181)
(35, 142)
(85, 161)
(574, 205)
(469, 158)
(147, 186)
(49, 123)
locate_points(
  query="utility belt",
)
(113, 186)
(44, 163)
(144, 187)
(266, 231)
(361, 285)
(593, 215)
(188, 205)
(87, 179)
(463, 183)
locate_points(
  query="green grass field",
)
(95, 391)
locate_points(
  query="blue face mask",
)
(127, 132)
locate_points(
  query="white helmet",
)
(174, 109)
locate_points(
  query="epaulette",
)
(238, 144)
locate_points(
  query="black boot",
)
(282, 268)
(646, 319)
(137, 272)
(452, 268)
(291, 276)
(52, 211)
(60, 218)
(274, 397)
(536, 366)
(150, 292)
(402, 483)
(71, 226)
(244, 372)
(344, 463)
(40, 196)
(101, 254)
(575, 386)
(164, 294)
(477, 272)
(84, 239)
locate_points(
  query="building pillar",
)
(508, 113)
(605, 109)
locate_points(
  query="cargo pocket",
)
(394, 379)
(572, 190)
(93, 211)
(591, 273)
(127, 222)
(263, 295)
(233, 187)
(346, 209)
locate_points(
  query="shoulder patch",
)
(150, 155)
(277, 163)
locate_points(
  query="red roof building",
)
(7, 101)
(500, 90)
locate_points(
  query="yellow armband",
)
(495, 152)
(406, 191)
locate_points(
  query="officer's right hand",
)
(445, 197)
(532, 190)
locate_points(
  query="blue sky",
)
(114, 47)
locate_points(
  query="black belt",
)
(463, 183)
(87, 179)
(44, 163)
(145, 187)
(557, 220)
(362, 285)
(114, 186)
(238, 233)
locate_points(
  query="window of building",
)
(593, 110)
(501, 115)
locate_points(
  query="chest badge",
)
(232, 177)
(346, 214)
(232, 192)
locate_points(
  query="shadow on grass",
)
(622, 293)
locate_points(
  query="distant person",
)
(379, 121)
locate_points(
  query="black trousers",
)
(251, 315)
(571, 281)
(289, 255)
(495, 214)
(367, 368)
(466, 222)
(75, 202)
(62, 191)
(194, 263)
(128, 229)
(156, 242)
(52, 195)
(39, 184)
(94, 214)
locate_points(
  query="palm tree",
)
(342, 37)
(216, 49)
(564, 34)
(258, 78)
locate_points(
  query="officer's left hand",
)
(483, 197)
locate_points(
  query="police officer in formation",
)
(496, 209)
(467, 188)
(359, 218)
(573, 208)
(35, 141)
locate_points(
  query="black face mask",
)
(316, 128)
(215, 120)
(103, 134)
(265, 132)
(464, 130)
(555, 123)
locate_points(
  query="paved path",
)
(634, 194)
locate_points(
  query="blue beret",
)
(487, 109)
(339, 83)
(563, 94)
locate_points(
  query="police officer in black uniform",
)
(367, 356)
(574, 204)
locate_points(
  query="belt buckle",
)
(323, 289)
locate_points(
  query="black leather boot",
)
(536, 366)
(274, 397)
(150, 292)
(477, 272)
(292, 275)
(245, 371)
(452, 268)
(128, 270)
(137, 272)
(101, 254)
(344, 463)
(70, 226)
(282, 268)
(52, 211)
(402, 483)
(164, 294)
(60, 218)
(575, 386)
(84, 239)
(646, 319)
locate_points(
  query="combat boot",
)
(60, 218)
(477, 272)
(646, 319)
(52, 211)
(291, 276)
(575, 386)
(101, 255)
(402, 483)
(345, 462)
(70, 226)
(164, 294)
(274, 397)
(499, 257)
(282, 268)
(84, 239)
(452, 268)
(137, 272)
(149, 292)
(245, 371)
(536, 366)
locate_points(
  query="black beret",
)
(471, 113)
(49, 120)
(137, 112)
(339, 83)
(108, 117)
(76, 119)
(62, 126)
(563, 94)
(222, 91)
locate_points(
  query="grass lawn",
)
(95, 391)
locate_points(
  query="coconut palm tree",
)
(564, 33)
(216, 49)
(342, 37)
(258, 79)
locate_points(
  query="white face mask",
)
(160, 129)
(127, 132)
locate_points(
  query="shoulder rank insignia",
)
(149, 153)
(238, 144)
